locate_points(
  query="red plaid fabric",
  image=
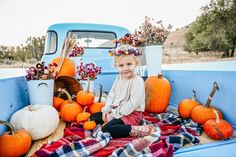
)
(175, 132)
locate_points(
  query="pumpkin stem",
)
(159, 75)
(84, 110)
(88, 84)
(59, 94)
(100, 93)
(9, 125)
(31, 108)
(217, 116)
(194, 95)
(217, 121)
(67, 94)
(215, 87)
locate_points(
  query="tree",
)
(7, 52)
(215, 29)
(35, 47)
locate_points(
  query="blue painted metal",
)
(106, 79)
(216, 149)
(203, 66)
(13, 96)
(183, 80)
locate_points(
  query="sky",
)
(23, 18)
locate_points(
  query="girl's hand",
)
(104, 116)
(108, 118)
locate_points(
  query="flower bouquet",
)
(88, 73)
(40, 81)
(77, 51)
(41, 72)
(131, 39)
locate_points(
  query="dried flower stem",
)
(68, 44)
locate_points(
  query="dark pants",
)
(115, 127)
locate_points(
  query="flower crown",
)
(125, 50)
(127, 45)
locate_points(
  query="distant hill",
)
(176, 39)
(174, 50)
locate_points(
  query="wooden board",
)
(57, 134)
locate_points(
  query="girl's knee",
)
(106, 128)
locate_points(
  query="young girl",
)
(126, 100)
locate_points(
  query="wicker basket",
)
(69, 83)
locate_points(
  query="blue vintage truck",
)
(183, 78)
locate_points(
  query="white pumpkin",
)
(39, 120)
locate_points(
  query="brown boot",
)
(141, 130)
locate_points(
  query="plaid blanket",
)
(175, 133)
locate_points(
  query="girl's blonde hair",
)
(117, 59)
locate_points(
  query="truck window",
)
(93, 39)
(51, 42)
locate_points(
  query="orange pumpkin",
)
(97, 106)
(85, 98)
(89, 125)
(67, 68)
(186, 106)
(202, 113)
(64, 103)
(15, 143)
(57, 101)
(157, 90)
(70, 109)
(84, 116)
(218, 129)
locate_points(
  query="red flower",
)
(88, 70)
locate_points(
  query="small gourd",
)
(84, 116)
(14, 143)
(85, 98)
(89, 125)
(218, 129)
(186, 106)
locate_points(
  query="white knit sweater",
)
(125, 97)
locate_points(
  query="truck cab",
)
(97, 40)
